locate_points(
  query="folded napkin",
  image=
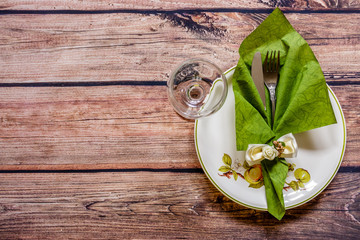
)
(302, 98)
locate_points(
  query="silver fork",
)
(271, 71)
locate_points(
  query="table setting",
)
(179, 120)
(302, 100)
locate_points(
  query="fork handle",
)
(273, 109)
(273, 100)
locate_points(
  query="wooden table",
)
(91, 148)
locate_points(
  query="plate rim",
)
(291, 206)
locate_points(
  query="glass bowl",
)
(197, 88)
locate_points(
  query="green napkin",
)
(302, 96)
(274, 173)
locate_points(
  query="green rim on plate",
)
(291, 206)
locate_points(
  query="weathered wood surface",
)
(123, 50)
(124, 127)
(130, 48)
(90, 147)
(174, 4)
(146, 47)
(161, 205)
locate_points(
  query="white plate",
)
(320, 152)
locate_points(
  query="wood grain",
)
(172, 4)
(111, 127)
(146, 47)
(125, 126)
(53, 127)
(83, 107)
(121, 204)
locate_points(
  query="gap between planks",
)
(129, 83)
(189, 10)
(153, 167)
(69, 168)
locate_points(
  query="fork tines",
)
(270, 64)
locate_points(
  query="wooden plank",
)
(118, 125)
(112, 127)
(177, 205)
(172, 4)
(146, 47)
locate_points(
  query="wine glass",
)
(197, 88)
